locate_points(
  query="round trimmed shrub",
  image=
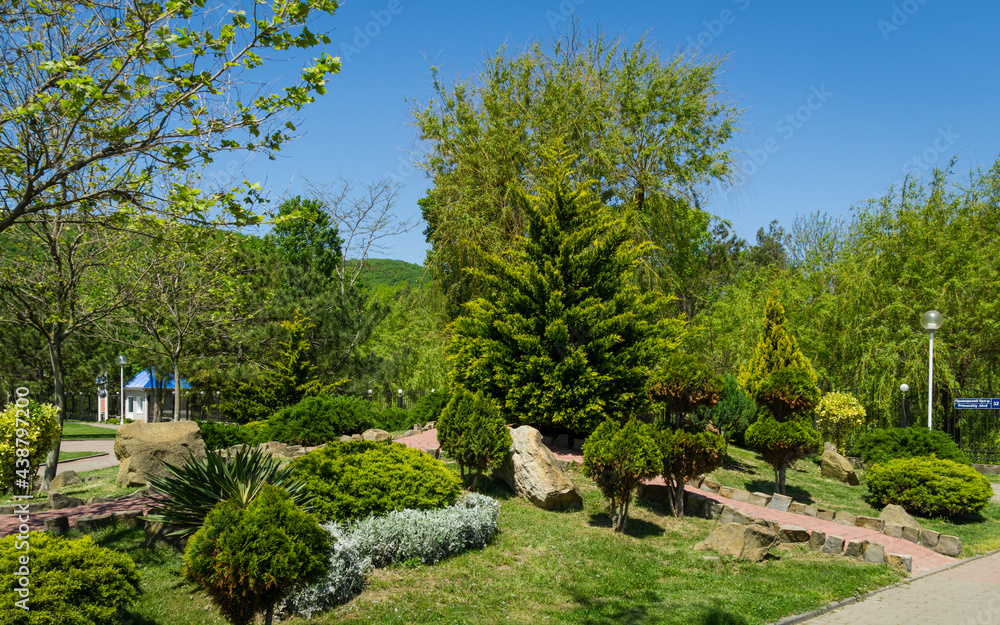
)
(319, 419)
(254, 432)
(618, 458)
(394, 420)
(429, 407)
(223, 435)
(928, 486)
(72, 581)
(42, 433)
(356, 479)
(247, 560)
(880, 446)
(837, 415)
(685, 455)
(780, 444)
(472, 432)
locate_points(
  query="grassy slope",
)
(979, 532)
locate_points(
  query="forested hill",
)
(393, 273)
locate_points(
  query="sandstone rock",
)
(711, 486)
(828, 446)
(58, 501)
(825, 515)
(562, 441)
(855, 549)
(797, 508)
(874, 553)
(741, 495)
(895, 514)
(57, 526)
(810, 510)
(746, 542)
(66, 478)
(356, 437)
(911, 534)
(816, 540)
(547, 441)
(345, 439)
(712, 510)
(417, 428)
(949, 546)
(144, 447)
(900, 562)
(530, 469)
(273, 448)
(732, 515)
(100, 500)
(128, 518)
(726, 491)
(837, 467)
(845, 518)
(833, 544)
(869, 523)
(780, 502)
(893, 530)
(695, 482)
(759, 499)
(929, 538)
(578, 444)
(433, 453)
(376, 434)
(431, 425)
(793, 534)
(89, 523)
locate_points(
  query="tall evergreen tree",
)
(564, 337)
(776, 349)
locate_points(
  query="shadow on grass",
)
(767, 487)
(636, 611)
(636, 528)
(732, 464)
(493, 486)
(131, 618)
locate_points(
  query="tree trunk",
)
(678, 499)
(475, 479)
(59, 392)
(781, 480)
(177, 389)
(269, 615)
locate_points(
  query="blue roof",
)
(144, 380)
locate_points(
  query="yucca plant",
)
(194, 489)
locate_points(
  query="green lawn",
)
(557, 568)
(73, 455)
(104, 486)
(75, 430)
(979, 532)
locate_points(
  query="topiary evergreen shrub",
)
(471, 431)
(429, 407)
(353, 480)
(39, 427)
(928, 486)
(837, 415)
(685, 455)
(618, 458)
(319, 419)
(248, 559)
(879, 446)
(734, 412)
(394, 420)
(71, 581)
(224, 435)
(781, 444)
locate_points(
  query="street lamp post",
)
(122, 361)
(903, 388)
(931, 320)
(399, 401)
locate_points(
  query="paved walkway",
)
(106, 445)
(968, 593)
(996, 492)
(9, 523)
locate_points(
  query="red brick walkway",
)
(9, 523)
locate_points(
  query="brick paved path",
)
(967, 594)
(9, 523)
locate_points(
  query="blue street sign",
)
(978, 403)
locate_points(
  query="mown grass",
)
(980, 532)
(73, 455)
(73, 430)
(103, 486)
(557, 568)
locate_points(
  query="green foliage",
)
(652, 131)
(684, 382)
(291, 378)
(353, 480)
(776, 349)
(880, 446)
(471, 431)
(71, 581)
(789, 393)
(734, 412)
(254, 431)
(686, 455)
(837, 415)
(428, 408)
(928, 486)
(618, 458)
(564, 337)
(247, 560)
(385, 272)
(394, 419)
(780, 444)
(224, 435)
(318, 419)
(194, 489)
(35, 424)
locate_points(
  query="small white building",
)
(139, 397)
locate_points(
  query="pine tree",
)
(564, 337)
(777, 349)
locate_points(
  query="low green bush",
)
(71, 581)
(472, 432)
(781, 444)
(879, 446)
(685, 455)
(928, 486)
(733, 414)
(429, 407)
(618, 458)
(38, 425)
(249, 559)
(319, 419)
(255, 431)
(394, 420)
(223, 435)
(356, 479)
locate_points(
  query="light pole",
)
(399, 401)
(903, 388)
(931, 320)
(122, 361)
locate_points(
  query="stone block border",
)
(945, 545)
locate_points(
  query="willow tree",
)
(562, 336)
(649, 131)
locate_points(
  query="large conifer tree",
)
(776, 349)
(564, 338)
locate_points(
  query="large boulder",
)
(745, 542)
(144, 447)
(66, 478)
(837, 467)
(375, 434)
(531, 471)
(895, 514)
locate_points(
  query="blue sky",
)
(840, 99)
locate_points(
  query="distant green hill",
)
(393, 273)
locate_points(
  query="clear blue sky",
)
(841, 99)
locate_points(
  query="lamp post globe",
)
(931, 320)
(122, 361)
